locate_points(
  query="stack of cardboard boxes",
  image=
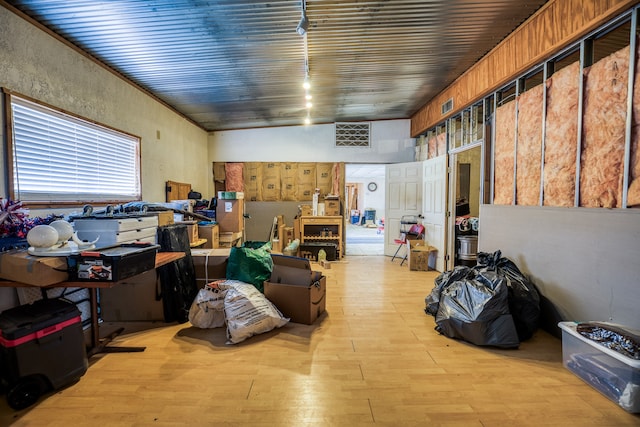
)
(230, 217)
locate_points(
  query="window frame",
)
(67, 199)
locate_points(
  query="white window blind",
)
(61, 158)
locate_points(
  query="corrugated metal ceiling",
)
(240, 64)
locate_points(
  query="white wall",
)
(585, 261)
(390, 143)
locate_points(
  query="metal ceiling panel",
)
(240, 64)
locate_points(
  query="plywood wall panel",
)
(557, 24)
(177, 190)
(561, 137)
(253, 181)
(602, 159)
(324, 178)
(504, 153)
(529, 152)
(289, 177)
(306, 180)
(271, 182)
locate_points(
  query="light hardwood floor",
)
(372, 359)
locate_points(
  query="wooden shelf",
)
(311, 228)
(316, 237)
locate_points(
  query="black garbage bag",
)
(475, 309)
(524, 299)
(250, 263)
(178, 278)
(442, 281)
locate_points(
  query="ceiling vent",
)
(447, 106)
(353, 134)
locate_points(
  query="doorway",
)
(465, 193)
(364, 209)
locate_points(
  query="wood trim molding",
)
(555, 26)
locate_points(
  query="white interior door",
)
(403, 186)
(434, 208)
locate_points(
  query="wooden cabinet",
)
(324, 229)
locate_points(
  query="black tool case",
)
(112, 264)
(42, 348)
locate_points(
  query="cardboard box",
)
(230, 195)
(229, 239)
(136, 299)
(296, 290)
(192, 230)
(418, 255)
(164, 217)
(211, 233)
(612, 373)
(230, 215)
(21, 267)
(209, 264)
(331, 207)
(306, 210)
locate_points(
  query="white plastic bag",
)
(248, 311)
(207, 309)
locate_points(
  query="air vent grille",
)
(447, 106)
(353, 134)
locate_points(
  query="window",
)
(62, 159)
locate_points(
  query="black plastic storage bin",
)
(112, 264)
(41, 348)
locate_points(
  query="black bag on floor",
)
(492, 303)
(444, 279)
(524, 299)
(178, 278)
(474, 308)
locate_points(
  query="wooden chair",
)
(415, 232)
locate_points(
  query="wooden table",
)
(99, 345)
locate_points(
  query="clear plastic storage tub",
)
(612, 373)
